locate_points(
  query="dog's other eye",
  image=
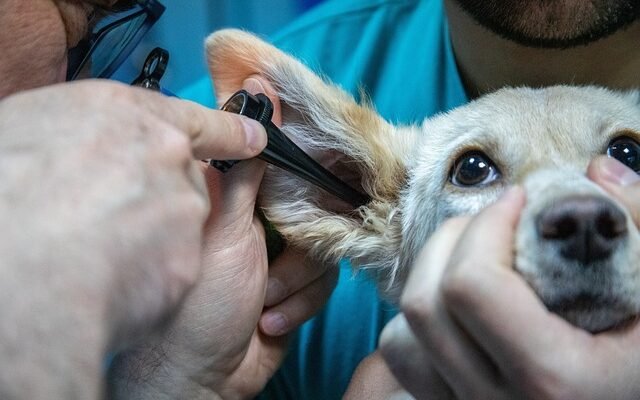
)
(625, 150)
(472, 169)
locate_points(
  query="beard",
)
(553, 23)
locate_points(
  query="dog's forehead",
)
(535, 126)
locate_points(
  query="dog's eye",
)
(472, 169)
(625, 150)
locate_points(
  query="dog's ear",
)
(342, 135)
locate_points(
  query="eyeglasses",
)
(113, 39)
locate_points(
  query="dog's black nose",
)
(585, 228)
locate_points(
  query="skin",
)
(552, 24)
(215, 347)
(488, 61)
(124, 238)
(470, 327)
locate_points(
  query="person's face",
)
(553, 23)
(34, 38)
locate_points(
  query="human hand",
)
(472, 328)
(219, 343)
(372, 380)
(102, 207)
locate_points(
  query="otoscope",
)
(280, 150)
(283, 152)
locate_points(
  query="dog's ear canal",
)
(350, 139)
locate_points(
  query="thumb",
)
(233, 195)
(620, 181)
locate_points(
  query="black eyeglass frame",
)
(153, 10)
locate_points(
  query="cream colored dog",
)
(576, 246)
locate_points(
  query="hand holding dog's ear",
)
(619, 180)
(102, 205)
(219, 342)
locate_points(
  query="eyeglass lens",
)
(111, 45)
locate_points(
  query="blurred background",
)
(186, 23)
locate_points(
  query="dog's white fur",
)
(541, 138)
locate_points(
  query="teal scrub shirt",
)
(399, 52)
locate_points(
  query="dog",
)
(576, 246)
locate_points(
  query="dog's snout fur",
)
(586, 229)
(575, 245)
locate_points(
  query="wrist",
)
(147, 373)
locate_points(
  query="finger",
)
(288, 273)
(372, 380)
(476, 245)
(410, 363)
(233, 194)
(300, 306)
(213, 133)
(457, 359)
(619, 180)
(233, 198)
(494, 304)
(170, 151)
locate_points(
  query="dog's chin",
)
(593, 313)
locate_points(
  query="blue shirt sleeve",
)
(398, 53)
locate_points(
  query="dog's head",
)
(576, 246)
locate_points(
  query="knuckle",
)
(456, 286)
(115, 92)
(393, 339)
(419, 309)
(200, 206)
(168, 145)
(281, 286)
(195, 206)
(194, 120)
(180, 144)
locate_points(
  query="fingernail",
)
(616, 172)
(274, 324)
(255, 135)
(275, 292)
